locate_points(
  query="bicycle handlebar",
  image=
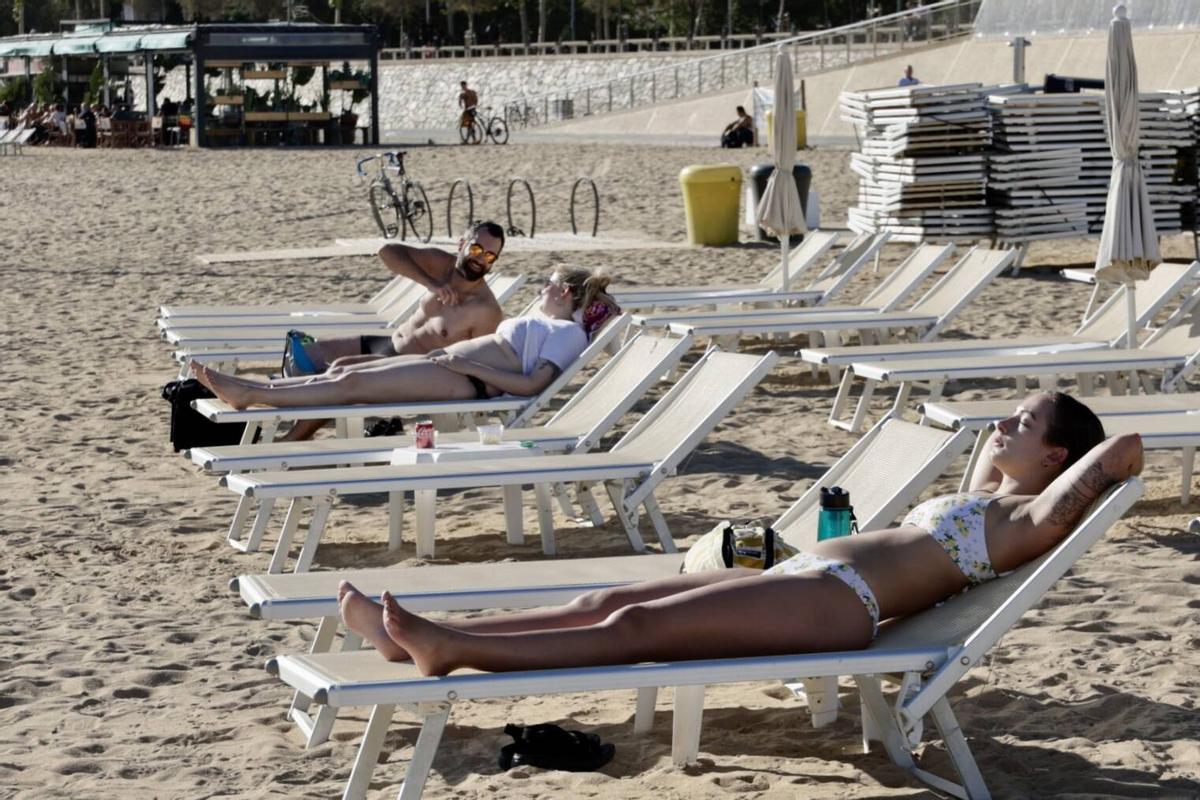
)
(394, 158)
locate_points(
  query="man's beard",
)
(468, 270)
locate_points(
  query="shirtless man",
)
(468, 99)
(459, 306)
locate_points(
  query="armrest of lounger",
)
(219, 411)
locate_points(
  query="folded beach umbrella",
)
(1128, 242)
(779, 211)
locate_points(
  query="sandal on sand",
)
(551, 747)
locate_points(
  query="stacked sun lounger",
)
(922, 164)
(1050, 173)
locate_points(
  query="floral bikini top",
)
(955, 521)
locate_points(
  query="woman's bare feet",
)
(364, 616)
(226, 387)
(423, 640)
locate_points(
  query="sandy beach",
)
(129, 669)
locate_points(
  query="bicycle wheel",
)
(472, 133)
(498, 131)
(418, 214)
(385, 210)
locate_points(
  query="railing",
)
(658, 44)
(810, 52)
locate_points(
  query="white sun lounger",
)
(253, 333)
(1174, 349)
(962, 283)
(398, 305)
(14, 141)
(630, 472)
(884, 472)
(1164, 421)
(511, 409)
(376, 304)
(932, 651)
(577, 427)
(890, 292)
(820, 290)
(769, 290)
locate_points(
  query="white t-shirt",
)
(538, 338)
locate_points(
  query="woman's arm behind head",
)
(1063, 503)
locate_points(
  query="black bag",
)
(189, 428)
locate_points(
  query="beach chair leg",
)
(424, 508)
(514, 518)
(1188, 462)
(587, 500)
(1091, 303)
(298, 712)
(643, 717)
(842, 400)
(1021, 386)
(284, 543)
(871, 730)
(341, 428)
(368, 753)
(395, 520)
(660, 525)
(981, 441)
(545, 512)
(822, 695)
(265, 507)
(248, 433)
(433, 723)
(883, 722)
(960, 751)
(864, 404)
(564, 500)
(239, 521)
(685, 726)
(627, 521)
(316, 527)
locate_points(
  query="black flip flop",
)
(551, 747)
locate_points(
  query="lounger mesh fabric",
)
(893, 453)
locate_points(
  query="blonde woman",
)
(522, 358)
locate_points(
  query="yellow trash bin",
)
(801, 129)
(711, 193)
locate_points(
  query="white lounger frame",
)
(932, 651)
(875, 468)
(630, 479)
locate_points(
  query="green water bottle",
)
(836, 517)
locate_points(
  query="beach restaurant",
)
(251, 84)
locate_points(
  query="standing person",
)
(908, 79)
(468, 99)
(740, 132)
(459, 306)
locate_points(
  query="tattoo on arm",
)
(1069, 506)
(555, 370)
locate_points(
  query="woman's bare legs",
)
(305, 429)
(759, 615)
(404, 381)
(364, 616)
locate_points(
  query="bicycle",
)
(496, 128)
(397, 214)
(521, 114)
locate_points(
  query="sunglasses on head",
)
(475, 250)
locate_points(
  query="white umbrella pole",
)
(1131, 313)
(783, 259)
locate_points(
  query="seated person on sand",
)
(740, 132)
(522, 357)
(1043, 468)
(460, 306)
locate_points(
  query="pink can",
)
(423, 434)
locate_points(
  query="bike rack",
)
(512, 229)
(450, 205)
(595, 202)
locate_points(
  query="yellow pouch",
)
(729, 545)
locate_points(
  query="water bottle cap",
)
(834, 497)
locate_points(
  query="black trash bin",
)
(760, 174)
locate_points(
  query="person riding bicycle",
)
(468, 101)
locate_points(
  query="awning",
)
(27, 47)
(166, 40)
(125, 43)
(75, 45)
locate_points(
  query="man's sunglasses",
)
(475, 250)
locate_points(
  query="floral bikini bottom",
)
(807, 562)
